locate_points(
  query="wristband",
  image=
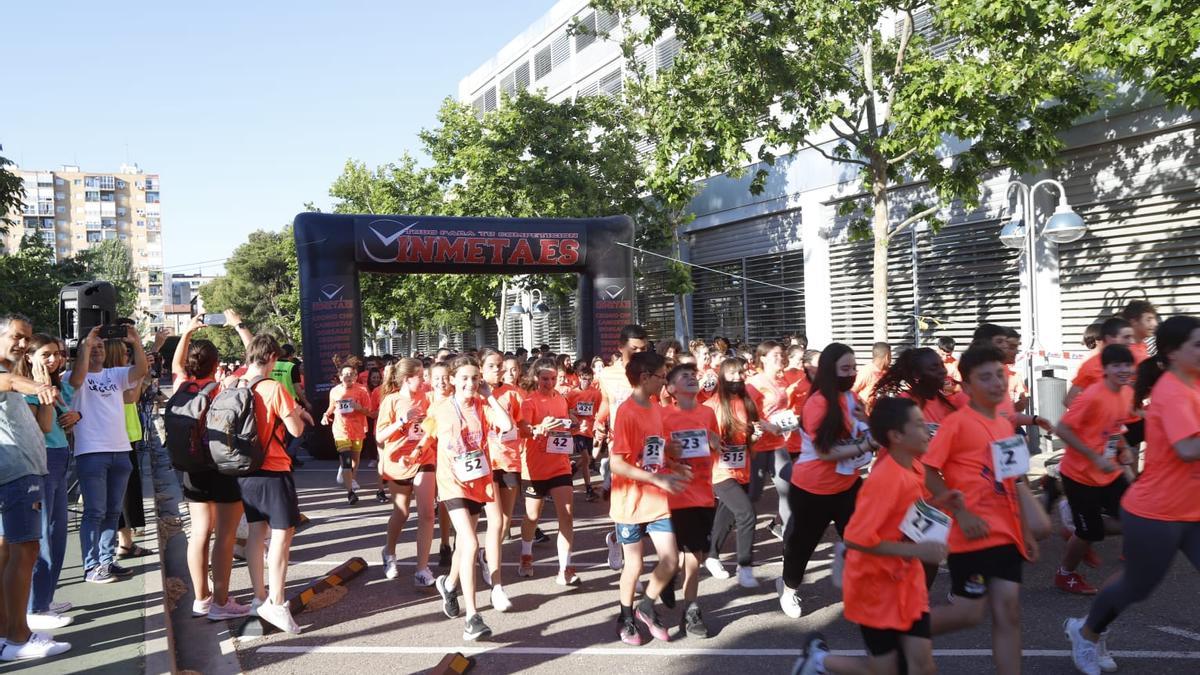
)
(241, 325)
(1035, 420)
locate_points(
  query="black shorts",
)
(270, 496)
(508, 479)
(211, 486)
(583, 444)
(882, 641)
(1089, 503)
(1135, 433)
(971, 572)
(539, 489)
(408, 482)
(693, 528)
(473, 507)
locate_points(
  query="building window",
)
(94, 237)
(120, 185)
(59, 195)
(76, 182)
(141, 223)
(120, 210)
(62, 223)
(60, 209)
(91, 196)
(151, 197)
(59, 181)
(107, 197)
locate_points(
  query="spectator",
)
(22, 468)
(133, 515)
(102, 449)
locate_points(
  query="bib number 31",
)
(652, 453)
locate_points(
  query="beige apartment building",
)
(73, 209)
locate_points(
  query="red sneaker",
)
(526, 568)
(1073, 582)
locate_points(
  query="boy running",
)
(349, 408)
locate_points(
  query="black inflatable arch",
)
(332, 249)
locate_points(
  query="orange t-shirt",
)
(1095, 416)
(506, 448)
(878, 591)
(272, 403)
(799, 388)
(962, 452)
(1090, 372)
(614, 391)
(1140, 352)
(539, 463)
(1169, 488)
(698, 491)
(811, 473)
(864, 384)
(939, 408)
(350, 426)
(770, 395)
(584, 404)
(451, 420)
(405, 441)
(723, 470)
(634, 502)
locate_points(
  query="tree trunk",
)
(879, 262)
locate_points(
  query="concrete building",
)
(182, 299)
(73, 209)
(1131, 171)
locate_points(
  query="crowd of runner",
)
(920, 463)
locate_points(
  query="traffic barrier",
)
(254, 627)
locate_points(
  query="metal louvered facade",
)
(655, 305)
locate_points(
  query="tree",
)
(784, 72)
(260, 283)
(111, 261)
(12, 194)
(32, 280)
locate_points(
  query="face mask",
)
(736, 387)
(846, 382)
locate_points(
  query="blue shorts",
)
(21, 509)
(632, 534)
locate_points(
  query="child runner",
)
(643, 475)
(406, 465)
(771, 456)
(505, 449)
(892, 532)
(694, 429)
(464, 478)
(977, 453)
(582, 404)
(1114, 331)
(547, 444)
(1092, 476)
(439, 389)
(825, 478)
(737, 416)
(349, 408)
(1161, 510)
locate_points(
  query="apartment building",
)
(72, 210)
(182, 299)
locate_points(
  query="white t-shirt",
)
(101, 401)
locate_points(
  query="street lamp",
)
(1021, 233)
(530, 303)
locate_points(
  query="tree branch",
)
(850, 136)
(832, 158)
(906, 33)
(902, 156)
(910, 220)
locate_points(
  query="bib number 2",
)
(1010, 458)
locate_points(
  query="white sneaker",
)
(39, 646)
(423, 578)
(616, 558)
(47, 620)
(372, 464)
(232, 609)
(200, 607)
(390, 569)
(60, 607)
(255, 603)
(1107, 664)
(484, 571)
(279, 616)
(745, 577)
(716, 569)
(789, 602)
(1084, 652)
(338, 480)
(839, 563)
(500, 601)
(354, 485)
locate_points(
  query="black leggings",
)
(1149, 547)
(133, 516)
(811, 514)
(735, 510)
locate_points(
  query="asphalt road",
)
(392, 626)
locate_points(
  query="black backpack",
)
(233, 440)
(184, 421)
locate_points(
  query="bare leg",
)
(464, 557)
(203, 517)
(691, 576)
(401, 495)
(426, 487)
(18, 578)
(228, 517)
(254, 557)
(668, 562)
(630, 573)
(281, 544)
(564, 508)
(1005, 601)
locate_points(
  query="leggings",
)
(778, 465)
(133, 516)
(813, 514)
(735, 510)
(1149, 547)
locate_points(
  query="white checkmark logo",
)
(614, 291)
(386, 241)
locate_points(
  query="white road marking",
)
(1179, 631)
(676, 651)
(536, 563)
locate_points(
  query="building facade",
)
(73, 209)
(182, 299)
(782, 261)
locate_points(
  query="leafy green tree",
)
(261, 284)
(12, 193)
(32, 280)
(795, 73)
(111, 261)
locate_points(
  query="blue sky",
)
(246, 109)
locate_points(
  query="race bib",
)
(922, 522)
(471, 465)
(932, 429)
(851, 465)
(652, 453)
(708, 384)
(345, 406)
(559, 443)
(510, 436)
(1010, 458)
(733, 457)
(786, 421)
(693, 443)
(1112, 447)
(416, 433)
(583, 409)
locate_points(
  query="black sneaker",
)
(590, 495)
(381, 497)
(693, 623)
(476, 628)
(449, 599)
(627, 631)
(814, 643)
(119, 571)
(445, 555)
(539, 537)
(668, 595)
(351, 498)
(776, 529)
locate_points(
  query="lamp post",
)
(1021, 233)
(528, 307)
